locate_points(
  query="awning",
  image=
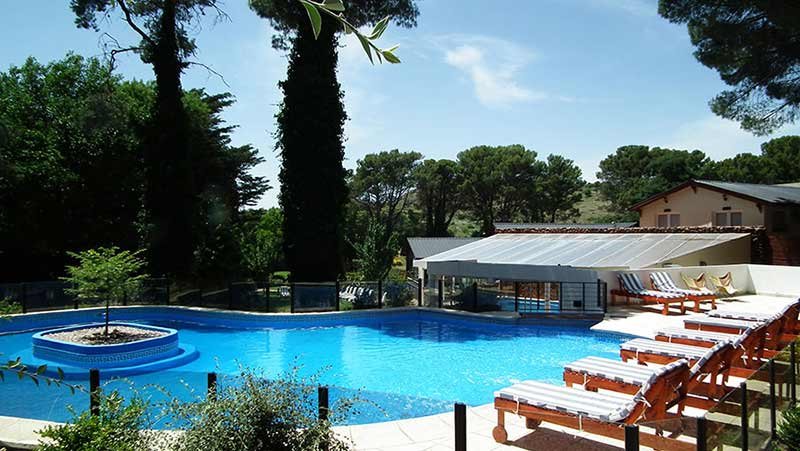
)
(583, 250)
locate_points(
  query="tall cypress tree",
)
(310, 126)
(310, 130)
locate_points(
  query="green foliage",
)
(89, 170)
(381, 186)
(262, 244)
(9, 306)
(74, 140)
(288, 16)
(375, 252)
(789, 430)
(437, 194)
(753, 45)
(258, 414)
(562, 188)
(119, 426)
(782, 159)
(105, 273)
(634, 173)
(498, 182)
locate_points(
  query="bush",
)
(257, 414)
(9, 306)
(119, 426)
(789, 430)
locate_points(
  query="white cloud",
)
(642, 8)
(492, 65)
(719, 138)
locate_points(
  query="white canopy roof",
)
(582, 250)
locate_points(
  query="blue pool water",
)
(407, 363)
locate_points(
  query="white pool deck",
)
(436, 432)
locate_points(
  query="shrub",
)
(119, 426)
(789, 429)
(9, 306)
(257, 414)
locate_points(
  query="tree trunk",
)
(170, 195)
(310, 127)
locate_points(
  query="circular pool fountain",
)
(129, 349)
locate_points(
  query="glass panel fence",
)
(314, 297)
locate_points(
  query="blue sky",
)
(573, 77)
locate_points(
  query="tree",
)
(497, 182)
(381, 185)
(562, 186)
(72, 153)
(742, 168)
(262, 244)
(310, 130)
(107, 274)
(75, 152)
(753, 45)
(782, 159)
(634, 173)
(437, 194)
(170, 192)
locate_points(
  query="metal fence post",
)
(380, 293)
(230, 296)
(583, 296)
(460, 422)
(772, 418)
(23, 298)
(631, 437)
(322, 402)
(419, 292)
(516, 296)
(474, 296)
(94, 391)
(702, 439)
(337, 286)
(211, 384)
(168, 289)
(441, 291)
(267, 295)
(291, 297)
(744, 422)
(792, 374)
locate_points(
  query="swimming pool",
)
(408, 362)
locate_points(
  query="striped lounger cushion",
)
(606, 406)
(721, 322)
(612, 369)
(630, 282)
(664, 348)
(664, 282)
(743, 316)
(692, 334)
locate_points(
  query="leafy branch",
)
(334, 8)
(17, 367)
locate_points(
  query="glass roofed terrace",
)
(567, 273)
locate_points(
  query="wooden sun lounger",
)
(603, 414)
(631, 288)
(781, 328)
(663, 282)
(644, 350)
(598, 373)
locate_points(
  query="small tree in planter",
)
(105, 273)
